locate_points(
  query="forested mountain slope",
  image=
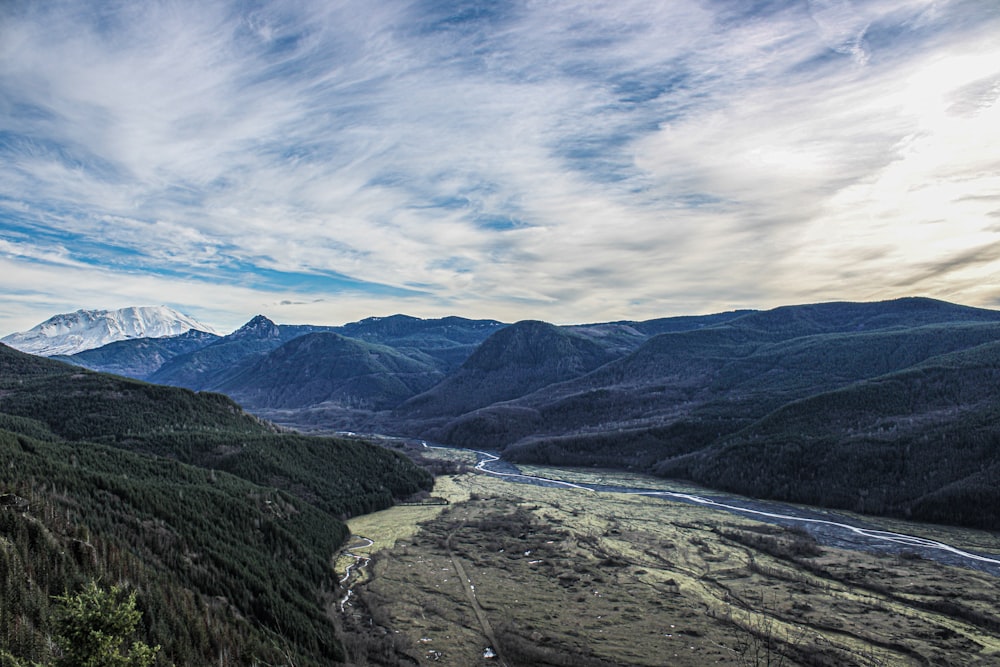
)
(230, 555)
(208, 360)
(664, 395)
(327, 367)
(511, 363)
(139, 357)
(922, 442)
(445, 342)
(332, 385)
(336, 375)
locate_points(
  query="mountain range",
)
(885, 407)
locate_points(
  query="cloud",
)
(566, 161)
(841, 26)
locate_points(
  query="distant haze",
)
(323, 162)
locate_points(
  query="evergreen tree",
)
(92, 628)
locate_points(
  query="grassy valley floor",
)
(546, 576)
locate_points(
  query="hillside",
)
(511, 363)
(139, 357)
(197, 505)
(77, 404)
(421, 350)
(923, 443)
(323, 368)
(324, 389)
(444, 342)
(684, 322)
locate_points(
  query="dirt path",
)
(470, 592)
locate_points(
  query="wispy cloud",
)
(565, 161)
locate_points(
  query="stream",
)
(360, 562)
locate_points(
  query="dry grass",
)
(575, 578)
(401, 522)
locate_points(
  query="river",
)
(827, 527)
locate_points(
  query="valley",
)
(738, 488)
(827, 528)
(565, 576)
(884, 408)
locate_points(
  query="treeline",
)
(223, 527)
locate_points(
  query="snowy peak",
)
(70, 333)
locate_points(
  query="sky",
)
(322, 161)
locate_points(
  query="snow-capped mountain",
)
(70, 333)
